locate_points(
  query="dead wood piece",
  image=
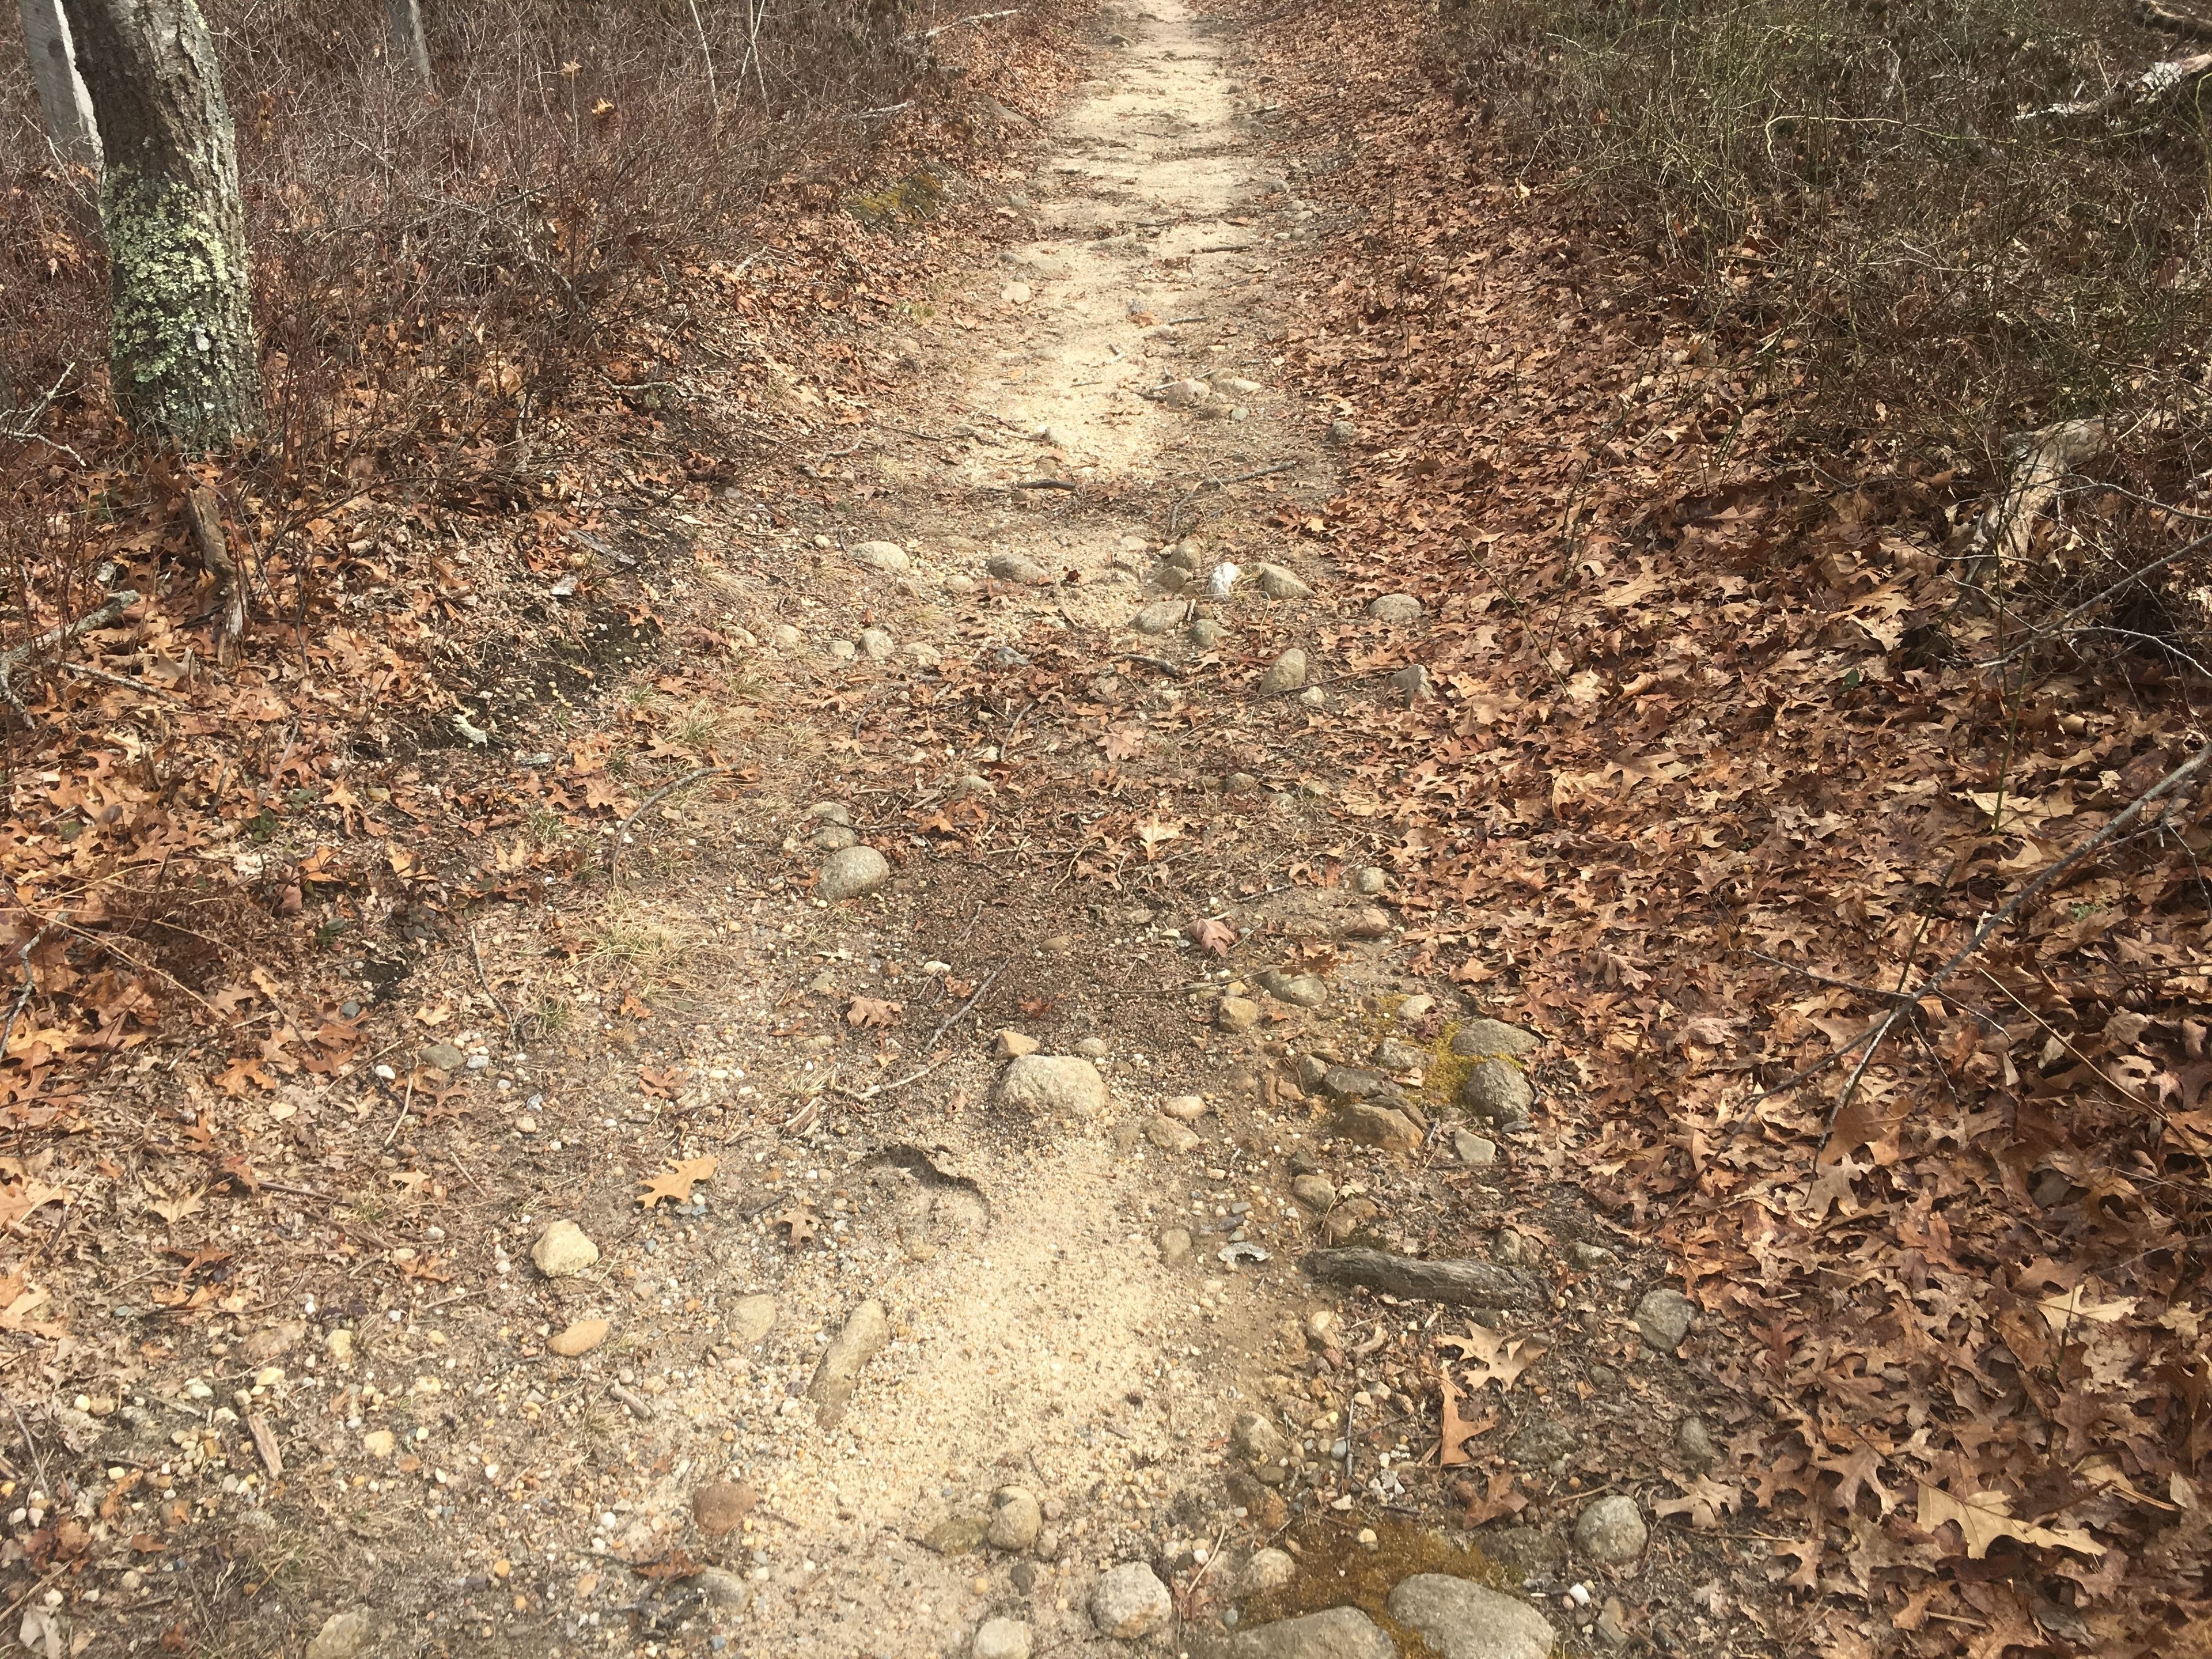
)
(1470, 1284)
(16, 656)
(205, 516)
(2157, 16)
(2046, 456)
(2155, 81)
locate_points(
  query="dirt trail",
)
(1037, 1338)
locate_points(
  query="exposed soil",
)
(368, 1416)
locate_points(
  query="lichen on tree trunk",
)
(182, 351)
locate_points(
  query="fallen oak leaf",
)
(1504, 1498)
(18, 1201)
(1215, 935)
(1705, 1500)
(1124, 743)
(872, 1011)
(1983, 1517)
(663, 1084)
(675, 1183)
(798, 1222)
(1455, 1431)
(1492, 1358)
(1156, 832)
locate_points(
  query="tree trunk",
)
(409, 48)
(61, 97)
(180, 337)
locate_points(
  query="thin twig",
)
(621, 835)
(954, 1016)
(476, 949)
(1247, 477)
(393, 1134)
(2091, 604)
(23, 956)
(2121, 820)
(1048, 483)
(45, 1484)
(960, 22)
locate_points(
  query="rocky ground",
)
(986, 1177)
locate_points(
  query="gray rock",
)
(1159, 616)
(848, 874)
(1129, 1602)
(1374, 1126)
(1462, 1620)
(959, 585)
(1693, 1444)
(1397, 609)
(562, 1251)
(722, 1589)
(1254, 1438)
(830, 812)
(1315, 1191)
(1277, 583)
(785, 637)
(344, 1635)
(1170, 1136)
(1055, 1086)
(750, 1318)
(1300, 991)
(1493, 1036)
(1015, 1519)
(1342, 432)
(881, 556)
(1187, 553)
(1013, 568)
(445, 1056)
(876, 644)
(1398, 1057)
(1664, 1317)
(834, 838)
(1333, 1633)
(1370, 881)
(1350, 1083)
(1414, 684)
(1236, 1013)
(1268, 1570)
(1611, 1531)
(1542, 1443)
(1287, 673)
(842, 650)
(1184, 1109)
(838, 1374)
(1002, 1639)
(1591, 1257)
(1175, 1245)
(963, 1534)
(1496, 1090)
(1168, 576)
(1205, 633)
(1091, 1047)
(1476, 1152)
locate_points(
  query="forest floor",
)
(933, 745)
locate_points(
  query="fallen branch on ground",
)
(1465, 1283)
(2158, 16)
(2002, 535)
(205, 516)
(16, 656)
(2157, 79)
(622, 835)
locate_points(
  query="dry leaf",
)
(675, 1182)
(1456, 1431)
(798, 1223)
(1125, 743)
(1215, 935)
(174, 1210)
(662, 1084)
(1491, 1358)
(1705, 1501)
(1983, 1517)
(18, 1200)
(872, 1011)
(1156, 832)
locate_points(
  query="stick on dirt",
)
(1465, 1283)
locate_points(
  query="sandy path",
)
(1043, 1342)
